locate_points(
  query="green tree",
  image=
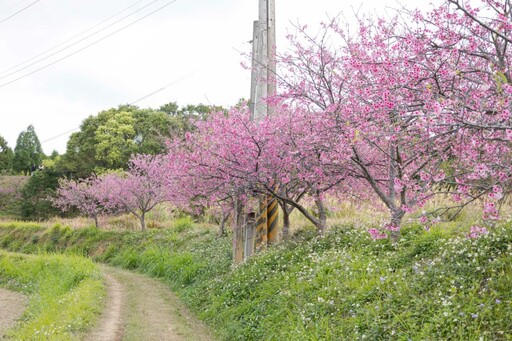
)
(170, 108)
(36, 194)
(116, 140)
(28, 153)
(6, 157)
(184, 116)
(190, 111)
(197, 111)
(153, 129)
(107, 140)
(54, 155)
(80, 158)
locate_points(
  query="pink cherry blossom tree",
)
(85, 195)
(299, 159)
(374, 97)
(278, 156)
(145, 185)
(473, 38)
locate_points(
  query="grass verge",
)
(65, 294)
(437, 285)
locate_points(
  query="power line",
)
(78, 41)
(165, 86)
(61, 134)
(8, 9)
(89, 45)
(132, 103)
(70, 39)
(19, 11)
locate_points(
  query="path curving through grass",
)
(12, 304)
(142, 308)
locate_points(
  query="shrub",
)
(35, 204)
(182, 224)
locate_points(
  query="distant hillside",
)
(10, 195)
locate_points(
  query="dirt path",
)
(110, 325)
(141, 308)
(12, 305)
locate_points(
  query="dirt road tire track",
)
(12, 306)
(110, 325)
(142, 308)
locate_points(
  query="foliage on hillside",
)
(344, 285)
(10, 195)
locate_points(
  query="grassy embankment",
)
(344, 286)
(65, 294)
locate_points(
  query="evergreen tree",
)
(6, 156)
(28, 153)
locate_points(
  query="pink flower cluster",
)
(377, 234)
(490, 211)
(477, 232)
(496, 193)
(392, 227)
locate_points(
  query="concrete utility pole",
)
(271, 55)
(255, 73)
(263, 227)
(263, 60)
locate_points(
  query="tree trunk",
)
(286, 219)
(222, 226)
(96, 221)
(396, 221)
(143, 221)
(322, 216)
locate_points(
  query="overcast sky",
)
(192, 44)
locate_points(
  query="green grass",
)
(182, 224)
(65, 294)
(436, 285)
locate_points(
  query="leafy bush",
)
(183, 223)
(35, 203)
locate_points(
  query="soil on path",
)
(142, 308)
(12, 305)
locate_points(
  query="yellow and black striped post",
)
(272, 219)
(261, 226)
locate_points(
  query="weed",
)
(182, 224)
(65, 294)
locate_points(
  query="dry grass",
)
(343, 213)
(163, 215)
(360, 214)
(366, 214)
